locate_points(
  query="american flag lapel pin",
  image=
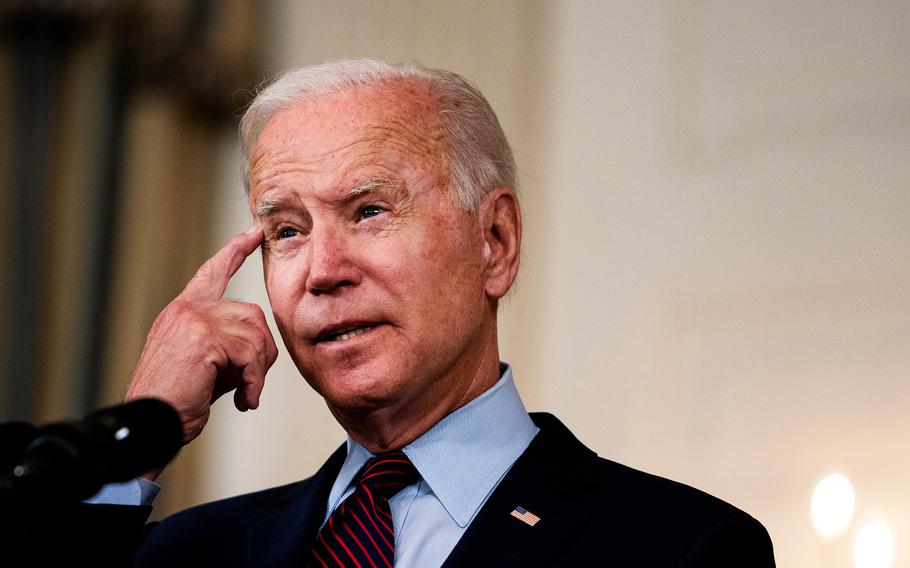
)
(525, 516)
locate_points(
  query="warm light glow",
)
(833, 502)
(874, 546)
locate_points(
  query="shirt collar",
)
(464, 455)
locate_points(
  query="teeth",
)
(349, 334)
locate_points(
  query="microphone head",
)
(137, 437)
(72, 460)
(14, 437)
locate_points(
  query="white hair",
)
(476, 151)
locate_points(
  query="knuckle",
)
(255, 313)
(197, 332)
(249, 312)
(179, 306)
(172, 314)
(207, 269)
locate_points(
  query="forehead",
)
(384, 122)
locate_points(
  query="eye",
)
(368, 211)
(287, 233)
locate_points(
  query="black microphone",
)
(14, 437)
(73, 460)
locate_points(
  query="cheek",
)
(456, 257)
(278, 284)
(450, 275)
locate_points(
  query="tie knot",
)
(388, 473)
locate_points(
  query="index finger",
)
(211, 280)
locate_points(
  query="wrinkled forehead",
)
(392, 120)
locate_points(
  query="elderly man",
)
(385, 206)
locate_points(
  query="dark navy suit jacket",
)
(593, 512)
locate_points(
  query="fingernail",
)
(252, 230)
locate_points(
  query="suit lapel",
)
(550, 480)
(283, 537)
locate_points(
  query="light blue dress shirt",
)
(138, 491)
(461, 460)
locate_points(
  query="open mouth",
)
(343, 334)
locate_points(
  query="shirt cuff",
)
(138, 491)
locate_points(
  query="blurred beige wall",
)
(716, 272)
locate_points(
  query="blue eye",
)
(287, 233)
(369, 211)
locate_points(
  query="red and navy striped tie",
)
(359, 532)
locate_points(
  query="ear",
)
(500, 218)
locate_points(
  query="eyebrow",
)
(269, 206)
(372, 184)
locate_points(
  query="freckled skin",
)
(401, 259)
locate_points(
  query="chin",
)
(356, 391)
(356, 405)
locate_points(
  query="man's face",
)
(374, 274)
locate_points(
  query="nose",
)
(331, 266)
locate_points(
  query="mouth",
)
(343, 333)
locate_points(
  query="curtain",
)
(110, 117)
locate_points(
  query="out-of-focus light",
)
(833, 502)
(873, 546)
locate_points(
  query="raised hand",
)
(202, 346)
